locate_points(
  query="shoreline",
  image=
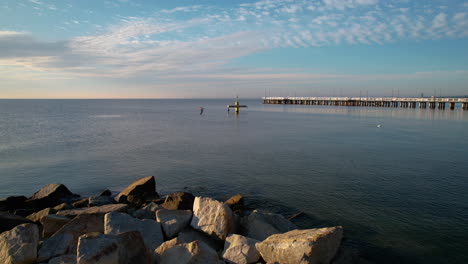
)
(62, 227)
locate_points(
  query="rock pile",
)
(137, 226)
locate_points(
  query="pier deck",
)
(408, 102)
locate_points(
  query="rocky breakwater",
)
(137, 226)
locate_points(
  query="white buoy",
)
(379, 125)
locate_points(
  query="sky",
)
(224, 48)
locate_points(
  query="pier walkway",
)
(409, 102)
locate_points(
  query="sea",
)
(395, 179)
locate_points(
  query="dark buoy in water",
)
(201, 110)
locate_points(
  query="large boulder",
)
(179, 201)
(12, 203)
(100, 200)
(240, 250)
(19, 245)
(126, 248)
(36, 217)
(190, 253)
(173, 221)
(212, 217)
(82, 224)
(52, 223)
(260, 225)
(9, 221)
(116, 223)
(315, 246)
(165, 246)
(142, 187)
(103, 209)
(49, 196)
(54, 246)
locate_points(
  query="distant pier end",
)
(410, 102)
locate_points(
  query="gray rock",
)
(141, 187)
(260, 225)
(52, 223)
(126, 248)
(19, 245)
(65, 259)
(36, 217)
(106, 193)
(212, 217)
(82, 224)
(190, 253)
(190, 235)
(302, 246)
(147, 212)
(103, 209)
(49, 196)
(81, 203)
(100, 200)
(165, 246)
(63, 206)
(54, 246)
(179, 201)
(9, 221)
(173, 221)
(240, 250)
(116, 223)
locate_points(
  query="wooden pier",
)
(410, 102)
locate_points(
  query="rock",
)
(190, 235)
(9, 221)
(19, 245)
(54, 246)
(65, 259)
(36, 217)
(12, 203)
(165, 246)
(141, 187)
(52, 223)
(236, 202)
(49, 196)
(195, 252)
(302, 246)
(126, 248)
(116, 223)
(136, 200)
(212, 217)
(103, 209)
(240, 250)
(63, 206)
(100, 200)
(179, 201)
(106, 193)
(260, 225)
(147, 212)
(81, 224)
(81, 203)
(173, 221)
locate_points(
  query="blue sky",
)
(205, 49)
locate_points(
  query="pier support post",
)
(452, 106)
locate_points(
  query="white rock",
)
(302, 246)
(54, 246)
(19, 245)
(126, 248)
(173, 221)
(240, 250)
(260, 225)
(212, 217)
(190, 253)
(116, 223)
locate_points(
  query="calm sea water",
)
(400, 191)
